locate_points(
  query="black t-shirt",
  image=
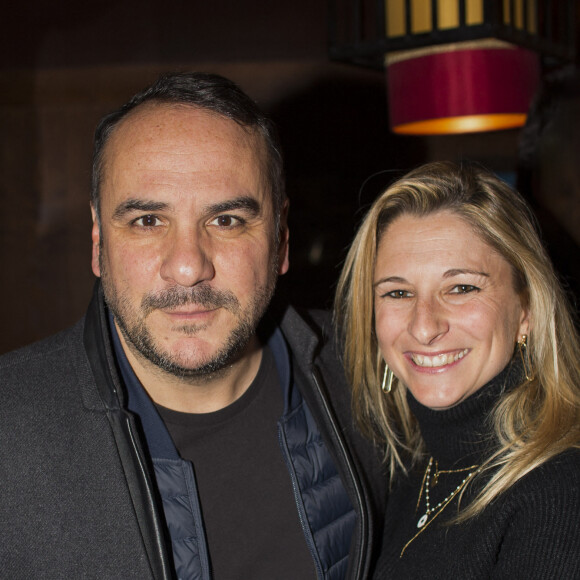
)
(250, 515)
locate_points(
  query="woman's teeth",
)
(439, 360)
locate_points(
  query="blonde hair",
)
(533, 422)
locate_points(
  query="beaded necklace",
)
(427, 484)
(430, 480)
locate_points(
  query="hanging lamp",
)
(455, 66)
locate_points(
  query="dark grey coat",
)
(78, 497)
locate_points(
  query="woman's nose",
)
(428, 321)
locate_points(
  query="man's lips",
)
(190, 301)
(437, 360)
(190, 312)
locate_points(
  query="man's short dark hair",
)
(206, 91)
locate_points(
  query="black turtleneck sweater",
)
(532, 531)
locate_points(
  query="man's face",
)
(186, 247)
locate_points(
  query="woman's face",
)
(446, 313)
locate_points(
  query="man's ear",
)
(284, 236)
(96, 237)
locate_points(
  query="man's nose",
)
(187, 258)
(428, 320)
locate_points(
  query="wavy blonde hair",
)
(533, 422)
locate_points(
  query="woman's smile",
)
(439, 360)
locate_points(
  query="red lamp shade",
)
(461, 88)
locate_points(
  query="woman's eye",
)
(398, 294)
(464, 289)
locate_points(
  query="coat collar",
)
(285, 331)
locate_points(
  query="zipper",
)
(299, 505)
(159, 540)
(317, 378)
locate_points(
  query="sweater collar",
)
(463, 434)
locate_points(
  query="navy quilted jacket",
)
(324, 508)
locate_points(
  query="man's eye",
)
(147, 221)
(226, 221)
(464, 289)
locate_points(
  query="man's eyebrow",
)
(131, 205)
(250, 204)
(459, 271)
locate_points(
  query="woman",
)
(462, 354)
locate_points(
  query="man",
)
(177, 431)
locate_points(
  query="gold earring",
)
(525, 356)
(387, 379)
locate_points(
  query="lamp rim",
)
(481, 44)
(462, 124)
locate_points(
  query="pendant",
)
(422, 521)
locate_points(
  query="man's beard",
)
(138, 337)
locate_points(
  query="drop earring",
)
(525, 355)
(387, 379)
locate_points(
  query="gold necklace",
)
(424, 520)
(426, 485)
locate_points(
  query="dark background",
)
(63, 65)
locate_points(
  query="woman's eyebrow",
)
(396, 279)
(459, 271)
